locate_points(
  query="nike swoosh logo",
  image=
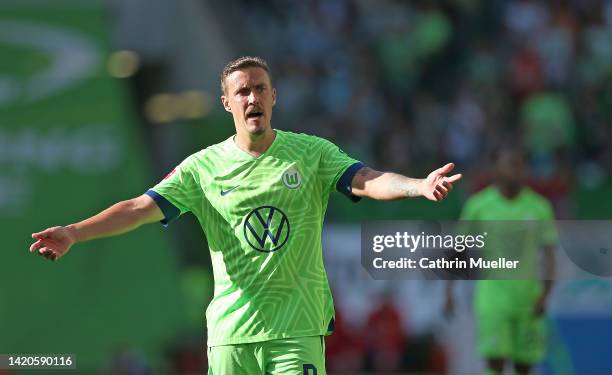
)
(226, 192)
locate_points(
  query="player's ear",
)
(273, 96)
(225, 103)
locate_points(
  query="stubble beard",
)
(258, 130)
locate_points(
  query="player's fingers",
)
(442, 194)
(447, 185)
(35, 246)
(41, 234)
(446, 169)
(454, 177)
(49, 254)
(442, 189)
(437, 195)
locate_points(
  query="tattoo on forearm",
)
(413, 188)
(388, 185)
(406, 185)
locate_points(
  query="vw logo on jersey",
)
(266, 229)
(291, 178)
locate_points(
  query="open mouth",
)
(254, 115)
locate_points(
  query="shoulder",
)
(301, 138)
(201, 160)
(538, 202)
(308, 144)
(533, 197)
(212, 152)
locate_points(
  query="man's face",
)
(249, 96)
(511, 169)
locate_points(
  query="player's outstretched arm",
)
(390, 186)
(54, 242)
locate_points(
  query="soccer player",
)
(260, 197)
(509, 313)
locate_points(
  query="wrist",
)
(72, 233)
(420, 188)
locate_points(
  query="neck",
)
(255, 144)
(508, 191)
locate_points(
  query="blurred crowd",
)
(407, 86)
(383, 345)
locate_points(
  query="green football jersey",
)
(262, 217)
(520, 239)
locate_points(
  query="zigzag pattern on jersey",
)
(264, 295)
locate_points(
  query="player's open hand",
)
(437, 185)
(52, 243)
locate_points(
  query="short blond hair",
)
(243, 63)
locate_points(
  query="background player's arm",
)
(449, 298)
(122, 217)
(548, 265)
(390, 186)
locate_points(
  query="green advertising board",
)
(68, 149)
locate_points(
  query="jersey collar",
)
(238, 151)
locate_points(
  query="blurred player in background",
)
(509, 313)
(260, 198)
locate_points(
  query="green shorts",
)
(518, 337)
(293, 356)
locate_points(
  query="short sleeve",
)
(337, 169)
(549, 233)
(178, 192)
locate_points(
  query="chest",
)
(509, 210)
(287, 185)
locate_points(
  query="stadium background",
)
(100, 99)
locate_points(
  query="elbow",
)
(137, 209)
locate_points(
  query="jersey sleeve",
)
(549, 235)
(178, 192)
(337, 169)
